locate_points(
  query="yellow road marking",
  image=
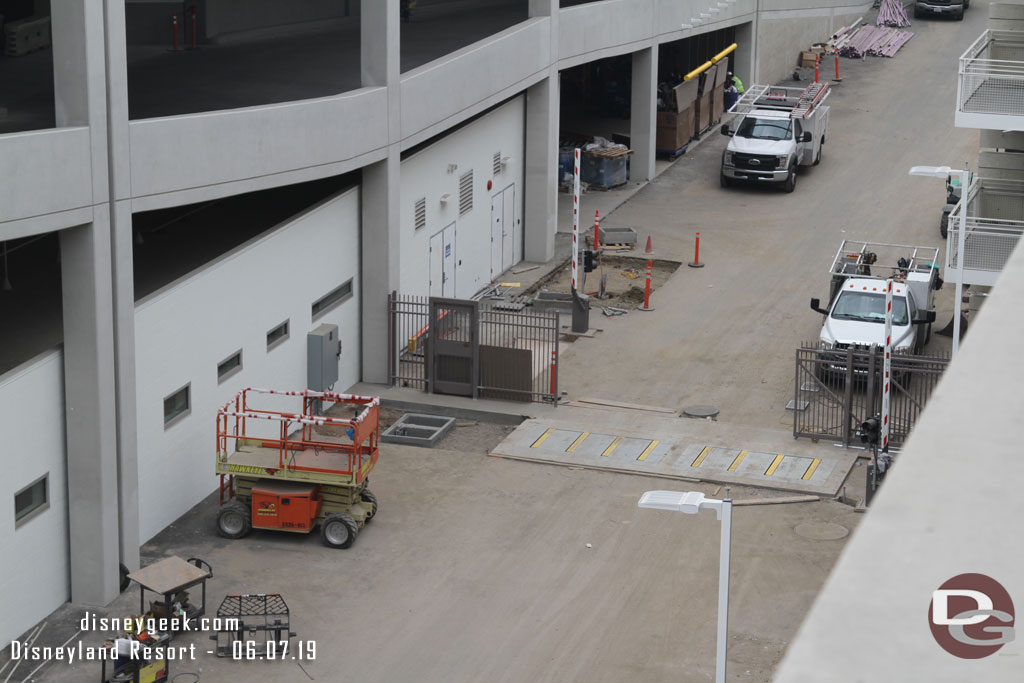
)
(612, 447)
(700, 458)
(810, 470)
(647, 451)
(774, 466)
(543, 436)
(577, 442)
(736, 463)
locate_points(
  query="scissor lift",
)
(312, 472)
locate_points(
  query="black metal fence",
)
(507, 354)
(837, 389)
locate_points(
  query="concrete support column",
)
(90, 411)
(122, 276)
(744, 57)
(380, 269)
(643, 117)
(541, 169)
(379, 201)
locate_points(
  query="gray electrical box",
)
(323, 350)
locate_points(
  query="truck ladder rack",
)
(799, 102)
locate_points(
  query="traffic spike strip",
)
(696, 255)
(648, 250)
(647, 288)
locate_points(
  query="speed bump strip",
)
(736, 463)
(545, 435)
(647, 451)
(810, 469)
(611, 447)
(774, 466)
(577, 442)
(700, 458)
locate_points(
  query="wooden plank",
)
(776, 501)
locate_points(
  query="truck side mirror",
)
(806, 137)
(725, 129)
(929, 317)
(816, 306)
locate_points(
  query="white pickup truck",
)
(855, 316)
(780, 129)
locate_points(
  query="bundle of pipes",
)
(891, 13)
(877, 42)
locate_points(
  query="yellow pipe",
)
(707, 65)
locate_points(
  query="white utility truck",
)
(778, 130)
(855, 316)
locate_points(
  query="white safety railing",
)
(995, 223)
(991, 79)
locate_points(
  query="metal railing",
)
(991, 78)
(517, 351)
(837, 389)
(995, 223)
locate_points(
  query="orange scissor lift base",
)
(314, 472)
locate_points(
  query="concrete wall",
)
(425, 174)
(789, 26)
(35, 580)
(185, 330)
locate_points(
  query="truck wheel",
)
(234, 519)
(917, 12)
(927, 334)
(944, 225)
(338, 530)
(960, 14)
(123, 574)
(725, 180)
(367, 497)
(817, 159)
(790, 184)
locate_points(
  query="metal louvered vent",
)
(497, 163)
(420, 213)
(466, 193)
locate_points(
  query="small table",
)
(167, 577)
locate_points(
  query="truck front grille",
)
(755, 162)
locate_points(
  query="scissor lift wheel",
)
(234, 519)
(367, 497)
(338, 530)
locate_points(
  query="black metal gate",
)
(472, 348)
(837, 389)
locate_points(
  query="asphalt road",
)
(725, 335)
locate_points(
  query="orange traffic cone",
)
(648, 250)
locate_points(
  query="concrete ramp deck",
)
(679, 448)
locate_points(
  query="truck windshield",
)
(869, 308)
(765, 129)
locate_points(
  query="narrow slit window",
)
(332, 299)
(229, 366)
(277, 335)
(32, 500)
(177, 405)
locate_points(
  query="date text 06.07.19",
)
(273, 649)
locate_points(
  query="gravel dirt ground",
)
(478, 569)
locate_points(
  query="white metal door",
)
(508, 226)
(497, 216)
(437, 264)
(448, 262)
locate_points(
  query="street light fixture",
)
(961, 237)
(692, 502)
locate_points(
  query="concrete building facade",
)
(118, 450)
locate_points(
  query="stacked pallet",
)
(26, 35)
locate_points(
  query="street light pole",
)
(723, 588)
(691, 502)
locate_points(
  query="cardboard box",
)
(807, 58)
(674, 130)
(718, 102)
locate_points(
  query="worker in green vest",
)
(733, 80)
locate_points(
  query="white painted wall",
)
(425, 174)
(183, 331)
(35, 579)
